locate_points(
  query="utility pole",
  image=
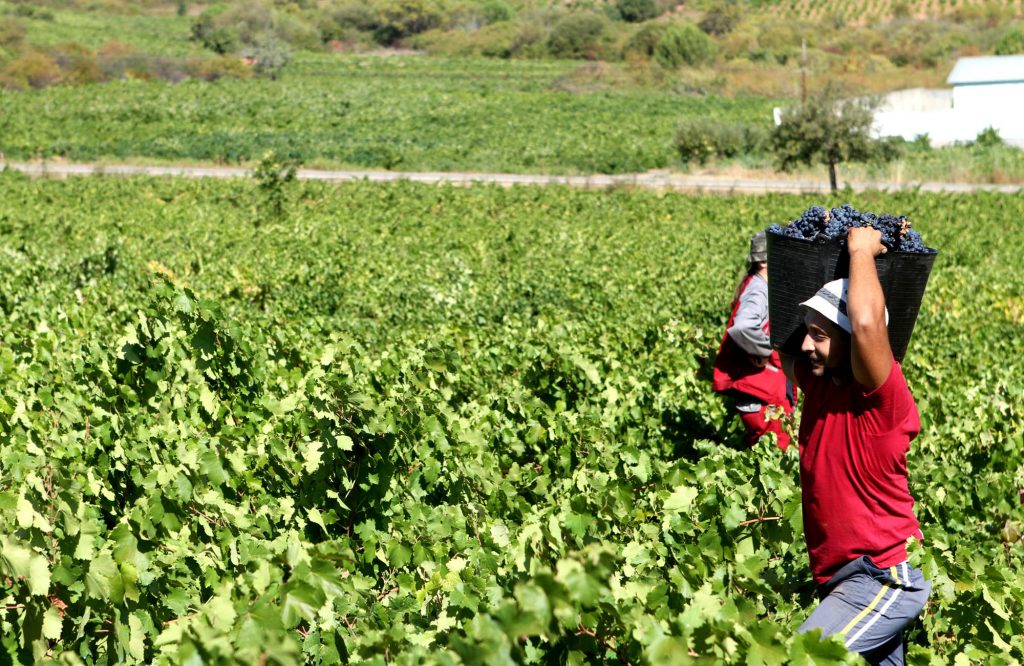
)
(803, 70)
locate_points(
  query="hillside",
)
(486, 86)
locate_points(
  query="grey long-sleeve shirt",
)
(747, 328)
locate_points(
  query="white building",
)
(988, 91)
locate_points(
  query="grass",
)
(145, 33)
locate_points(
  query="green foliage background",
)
(414, 424)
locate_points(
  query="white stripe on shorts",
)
(896, 593)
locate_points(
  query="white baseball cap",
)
(830, 302)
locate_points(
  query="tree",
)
(828, 130)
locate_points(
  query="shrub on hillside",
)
(988, 138)
(78, 64)
(498, 40)
(463, 15)
(445, 42)
(32, 70)
(494, 41)
(920, 143)
(12, 33)
(74, 64)
(721, 17)
(578, 35)
(700, 139)
(645, 40)
(684, 44)
(257, 22)
(270, 56)
(114, 48)
(206, 30)
(778, 40)
(496, 11)
(922, 43)
(219, 39)
(471, 15)
(33, 12)
(739, 42)
(351, 15)
(901, 9)
(223, 29)
(1012, 43)
(397, 19)
(531, 38)
(248, 19)
(988, 14)
(221, 67)
(296, 32)
(636, 11)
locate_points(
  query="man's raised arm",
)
(870, 353)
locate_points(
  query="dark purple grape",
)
(817, 222)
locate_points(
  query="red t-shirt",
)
(853, 470)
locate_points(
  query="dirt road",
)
(649, 180)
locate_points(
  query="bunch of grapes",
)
(818, 222)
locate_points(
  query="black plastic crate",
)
(797, 268)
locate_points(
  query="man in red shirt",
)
(858, 420)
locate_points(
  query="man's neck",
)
(841, 376)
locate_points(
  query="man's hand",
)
(864, 239)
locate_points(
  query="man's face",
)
(825, 345)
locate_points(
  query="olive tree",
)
(828, 130)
